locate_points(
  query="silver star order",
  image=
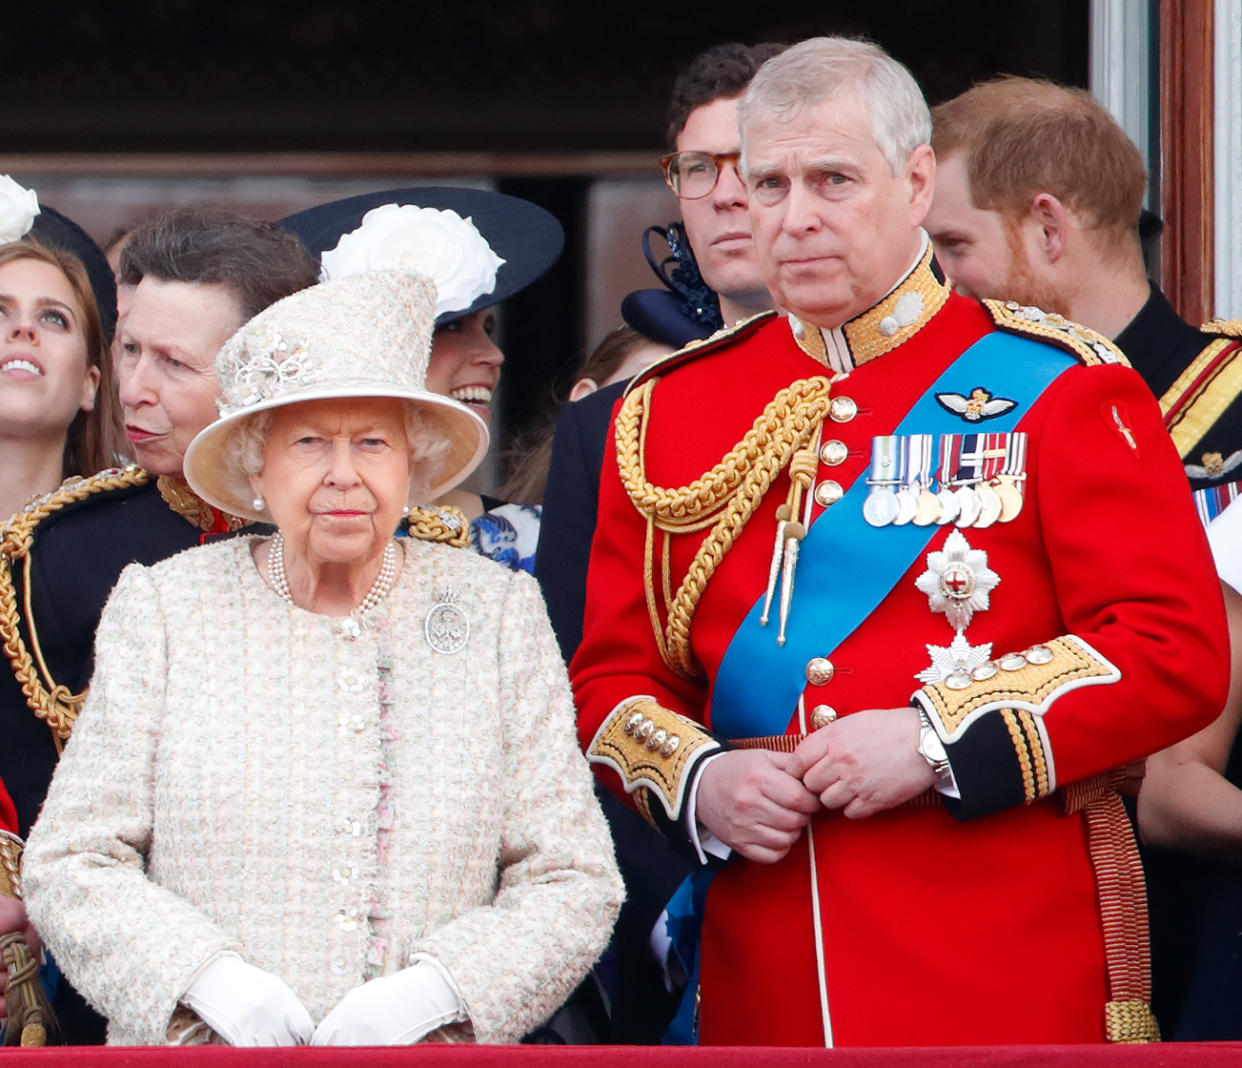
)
(959, 655)
(957, 580)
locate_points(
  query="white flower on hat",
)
(437, 243)
(18, 208)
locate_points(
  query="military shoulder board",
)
(1223, 327)
(1078, 340)
(49, 701)
(702, 347)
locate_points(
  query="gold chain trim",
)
(444, 524)
(725, 496)
(10, 864)
(57, 706)
(192, 508)
(1224, 327)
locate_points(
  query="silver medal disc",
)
(989, 506)
(907, 505)
(950, 506)
(968, 504)
(880, 507)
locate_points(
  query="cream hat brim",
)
(228, 488)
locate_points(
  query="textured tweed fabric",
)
(220, 793)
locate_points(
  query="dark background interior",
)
(540, 77)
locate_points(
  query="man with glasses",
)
(717, 273)
(703, 171)
(887, 591)
(717, 281)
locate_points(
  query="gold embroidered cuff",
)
(10, 864)
(650, 746)
(1028, 681)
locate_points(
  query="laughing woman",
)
(481, 248)
(395, 836)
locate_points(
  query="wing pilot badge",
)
(1214, 465)
(978, 406)
(447, 627)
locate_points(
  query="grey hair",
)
(824, 68)
(425, 439)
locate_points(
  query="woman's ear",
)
(584, 387)
(90, 388)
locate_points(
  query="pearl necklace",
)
(379, 588)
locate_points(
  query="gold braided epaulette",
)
(1223, 327)
(445, 524)
(1079, 341)
(695, 349)
(50, 701)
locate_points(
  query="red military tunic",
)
(917, 926)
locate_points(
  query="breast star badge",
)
(958, 658)
(957, 580)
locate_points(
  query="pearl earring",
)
(406, 511)
(257, 504)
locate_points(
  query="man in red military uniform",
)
(887, 592)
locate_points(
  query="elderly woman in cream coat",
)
(325, 788)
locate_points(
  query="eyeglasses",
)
(692, 175)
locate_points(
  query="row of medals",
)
(973, 504)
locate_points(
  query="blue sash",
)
(847, 567)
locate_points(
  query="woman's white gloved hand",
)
(247, 1006)
(394, 1010)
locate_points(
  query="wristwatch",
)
(931, 748)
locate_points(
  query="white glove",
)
(394, 1010)
(247, 1006)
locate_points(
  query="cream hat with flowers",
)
(366, 335)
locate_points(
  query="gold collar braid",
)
(192, 508)
(55, 704)
(890, 323)
(725, 496)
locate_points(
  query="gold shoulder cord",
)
(444, 524)
(726, 496)
(57, 706)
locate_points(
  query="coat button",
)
(842, 409)
(822, 715)
(834, 452)
(828, 492)
(819, 671)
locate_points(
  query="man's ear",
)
(1053, 224)
(920, 171)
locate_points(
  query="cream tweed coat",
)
(220, 792)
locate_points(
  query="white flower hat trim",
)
(434, 242)
(18, 208)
